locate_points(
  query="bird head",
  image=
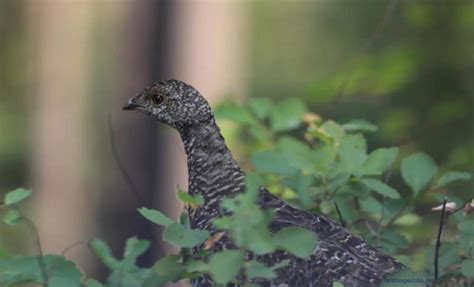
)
(172, 102)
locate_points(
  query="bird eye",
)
(157, 99)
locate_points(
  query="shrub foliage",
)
(315, 164)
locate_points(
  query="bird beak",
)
(130, 105)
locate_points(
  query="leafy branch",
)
(328, 170)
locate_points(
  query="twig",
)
(39, 256)
(395, 217)
(72, 246)
(389, 10)
(460, 208)
(39, 250)
(438, 240)
(387, 16)
(343, 223)
(379, 223)
(371, 229)
(132, 187)
(388, 174)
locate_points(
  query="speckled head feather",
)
(172, 102)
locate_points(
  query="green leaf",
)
(16, 196)
(102, 250)
(324, 157)
(297, 154)
(25, 269)
(235, 113)
(260, 132)
(332, 130)
(467, 227)
(134, 247)
(404, 259)
(196, 266)
(448, 256)
(467, 268)
(381, 188)
(261, 107)
(301, 242)
(352, 152)
(359, 126)
(466, 235)
(224, 266)
(167, 269)
(190, 199)
(248, 224)
(452, 176)
(272, 162)
(300, 184)
(348, 212)
(93, 283)
(287, 114)
(326, 207)
(255, 269)
(379, 161)
(182, 236)
(408, 219)
(370, 205)
(396, 238)
(417, 171)
(336, 180)
(394, 207)
(354, 188)
(124, 272)
(155, 216)
(12, 217)
(337, 284)
(253, 182)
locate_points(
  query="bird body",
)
(213, 173)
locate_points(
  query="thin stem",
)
(395, 217)
(132, 187)
(388, 174)
(39, 256)
(389, 11)
(438, 240)
(72, 246)
(343, 223)
(371, 229)
(379, 223)
(459, 208)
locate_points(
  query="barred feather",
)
(213, 172)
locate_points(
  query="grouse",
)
(214, 173)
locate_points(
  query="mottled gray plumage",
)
(214, 173)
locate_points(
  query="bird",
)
(213, 173)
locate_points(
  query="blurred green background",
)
(66, 67)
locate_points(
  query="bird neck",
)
(212, 170)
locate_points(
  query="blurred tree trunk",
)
(139, 48)
(63, 209)
(209, 47)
